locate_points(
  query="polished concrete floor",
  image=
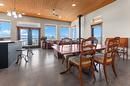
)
(43, 70)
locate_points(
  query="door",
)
(35, 37)
(24, 36)
(29, 36)
(96, 31)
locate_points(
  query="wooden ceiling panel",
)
(62, 7)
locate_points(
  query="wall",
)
(76, 23)
(116, 20)
(30, 19)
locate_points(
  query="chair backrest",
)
(88, 49)
(107, 40)
(111, 49)
(43, 39)
(88, 46)
(123, 42)
(65, 41)
(117, 40)
(79, 39)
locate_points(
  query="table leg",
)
(63, 72)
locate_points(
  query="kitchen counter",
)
(8, 54)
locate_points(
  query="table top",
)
(68, 49)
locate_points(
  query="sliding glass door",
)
(29, 36)
(24, 36)
(97, 32)
(35, 37)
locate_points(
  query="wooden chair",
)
(79, 39)
(43, 42)
(123, 47)
(109, 56)
(63, 42)
(85, 59)
(117, 41)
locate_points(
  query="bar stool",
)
(29, 50)
(21, 55)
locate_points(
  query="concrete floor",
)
(43, 70)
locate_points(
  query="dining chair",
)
(123, 48)
(108, 58)
(79, 39)
(85, 59)
(66, 42)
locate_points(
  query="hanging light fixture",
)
(13, 12)
(56, 14)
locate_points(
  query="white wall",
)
(83, 23)
(116, 20)
(30, 19)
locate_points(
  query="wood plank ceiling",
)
(62, 7)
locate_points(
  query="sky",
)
(5, 29)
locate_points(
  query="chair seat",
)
(76, 60)
(100, 59)
(66, 56)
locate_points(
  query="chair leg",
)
(118, 55)
(123, 55)
(66, 63)
(99, 67)
(114, 70)
(80, 76)
(127, 55)
(63, 60)
(92, 71)
(69, 66)
(104, 68)
(18, 58)
(68, 69)
(25, 59)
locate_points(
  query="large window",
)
(74, 33)
(64, 32)
(50, 32)
(5, 30)
(29, 36)
(97, 32)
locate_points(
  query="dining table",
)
(61, 50)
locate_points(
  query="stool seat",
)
(21, 55)
(21, 50)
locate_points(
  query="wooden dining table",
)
(60, 50)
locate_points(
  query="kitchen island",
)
(8, 53)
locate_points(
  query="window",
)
(74, 33)
(97, 32)
(64, 32)
(5, 30)
(29, 36)
(50, 32)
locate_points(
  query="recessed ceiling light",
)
(73, 5)
(1, 4)
(38, 13)
(60, 17)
